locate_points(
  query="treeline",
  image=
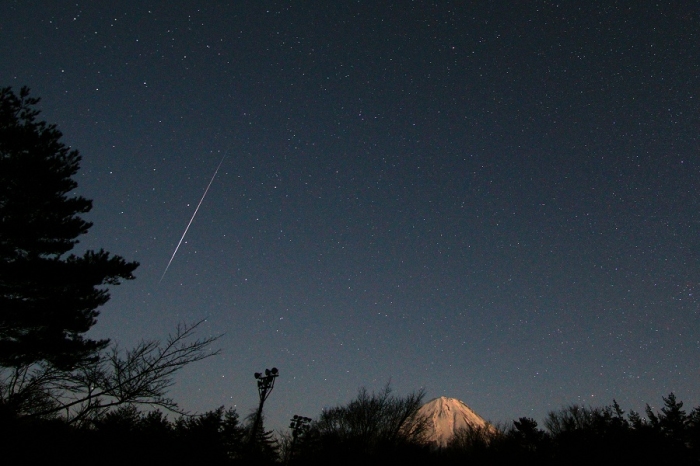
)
(578, 435)
(376, 428)
(125, 436)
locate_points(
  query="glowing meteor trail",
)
(192, 219)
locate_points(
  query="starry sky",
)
(497, 201)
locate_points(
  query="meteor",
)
(192, 219)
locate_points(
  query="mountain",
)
(445, 416)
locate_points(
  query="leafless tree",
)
(376, 418)
(139, 376)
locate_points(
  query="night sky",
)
(497, 201)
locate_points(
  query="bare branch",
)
(141, 375)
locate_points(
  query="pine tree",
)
(673, 419)
(48, 299)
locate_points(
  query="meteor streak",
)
(193, 215)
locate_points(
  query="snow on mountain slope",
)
(445, 416)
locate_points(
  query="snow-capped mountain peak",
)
(447, 415)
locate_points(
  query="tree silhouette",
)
(261, 445)
(48, 300)
(529, 437)
(215, 437)
(300, 428)
(673, 420)
(371, 426)
(266, 383)
(115, 378)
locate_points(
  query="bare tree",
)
(376, 418)
(141, 375)
(471, 438)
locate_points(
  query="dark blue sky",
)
(497, 201)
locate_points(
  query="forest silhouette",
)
(367, 430)
(65, 397)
